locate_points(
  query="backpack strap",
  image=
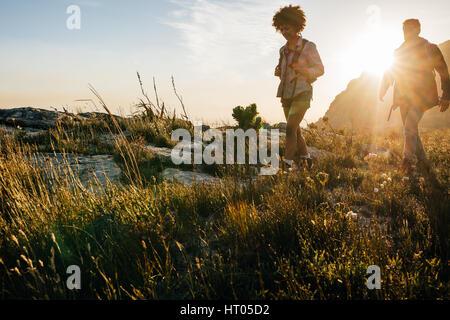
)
(298, 51)
(297, 54)
(430, 57)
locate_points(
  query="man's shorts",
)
(300, 103)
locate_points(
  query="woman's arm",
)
(315, 65)
(314, 68)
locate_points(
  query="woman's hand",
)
(301, 70)
(278, 71)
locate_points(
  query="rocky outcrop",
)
(41, 118)
(187, 177)
(355, 107)
(31, 117)
(29, 132)
(100, 167)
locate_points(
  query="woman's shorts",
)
(300, 103)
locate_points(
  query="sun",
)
(370, 52)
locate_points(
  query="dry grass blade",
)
(180, 99)
(122, 143)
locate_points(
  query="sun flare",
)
(371, 52)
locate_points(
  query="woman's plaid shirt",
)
(292, 84)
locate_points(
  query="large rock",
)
(31, 117)
(166, 153)
(318, 153)
(41, 118)
(160, 152)
(187, 177)
(102, 167)
(29, 132)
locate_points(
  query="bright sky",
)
(222, 53)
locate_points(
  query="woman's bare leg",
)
(295, 143)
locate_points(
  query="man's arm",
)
(388, 80)
(388, 77)
(441, 67)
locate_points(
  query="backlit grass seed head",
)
(54, 241)
(14, 239)
(23, 235)
(310, 182)
(16, 270)
(323, 178)
(352, 215)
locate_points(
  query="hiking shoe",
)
(289, 165)
(309, 163)
(306, 162)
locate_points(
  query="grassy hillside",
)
(287, 236)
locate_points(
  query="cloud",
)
(226, 36)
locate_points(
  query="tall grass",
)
(288, 236)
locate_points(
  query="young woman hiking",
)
(299, 66)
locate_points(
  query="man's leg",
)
(413, 144)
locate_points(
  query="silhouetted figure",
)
(415, 89)
(299, 66)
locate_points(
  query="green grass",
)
(286, 236)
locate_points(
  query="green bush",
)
(247, 118)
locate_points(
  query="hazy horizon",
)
(221, 53)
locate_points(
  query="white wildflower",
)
(376, 190)
(352, 215)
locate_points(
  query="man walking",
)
(415, 89)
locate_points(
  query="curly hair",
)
(290, 15)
